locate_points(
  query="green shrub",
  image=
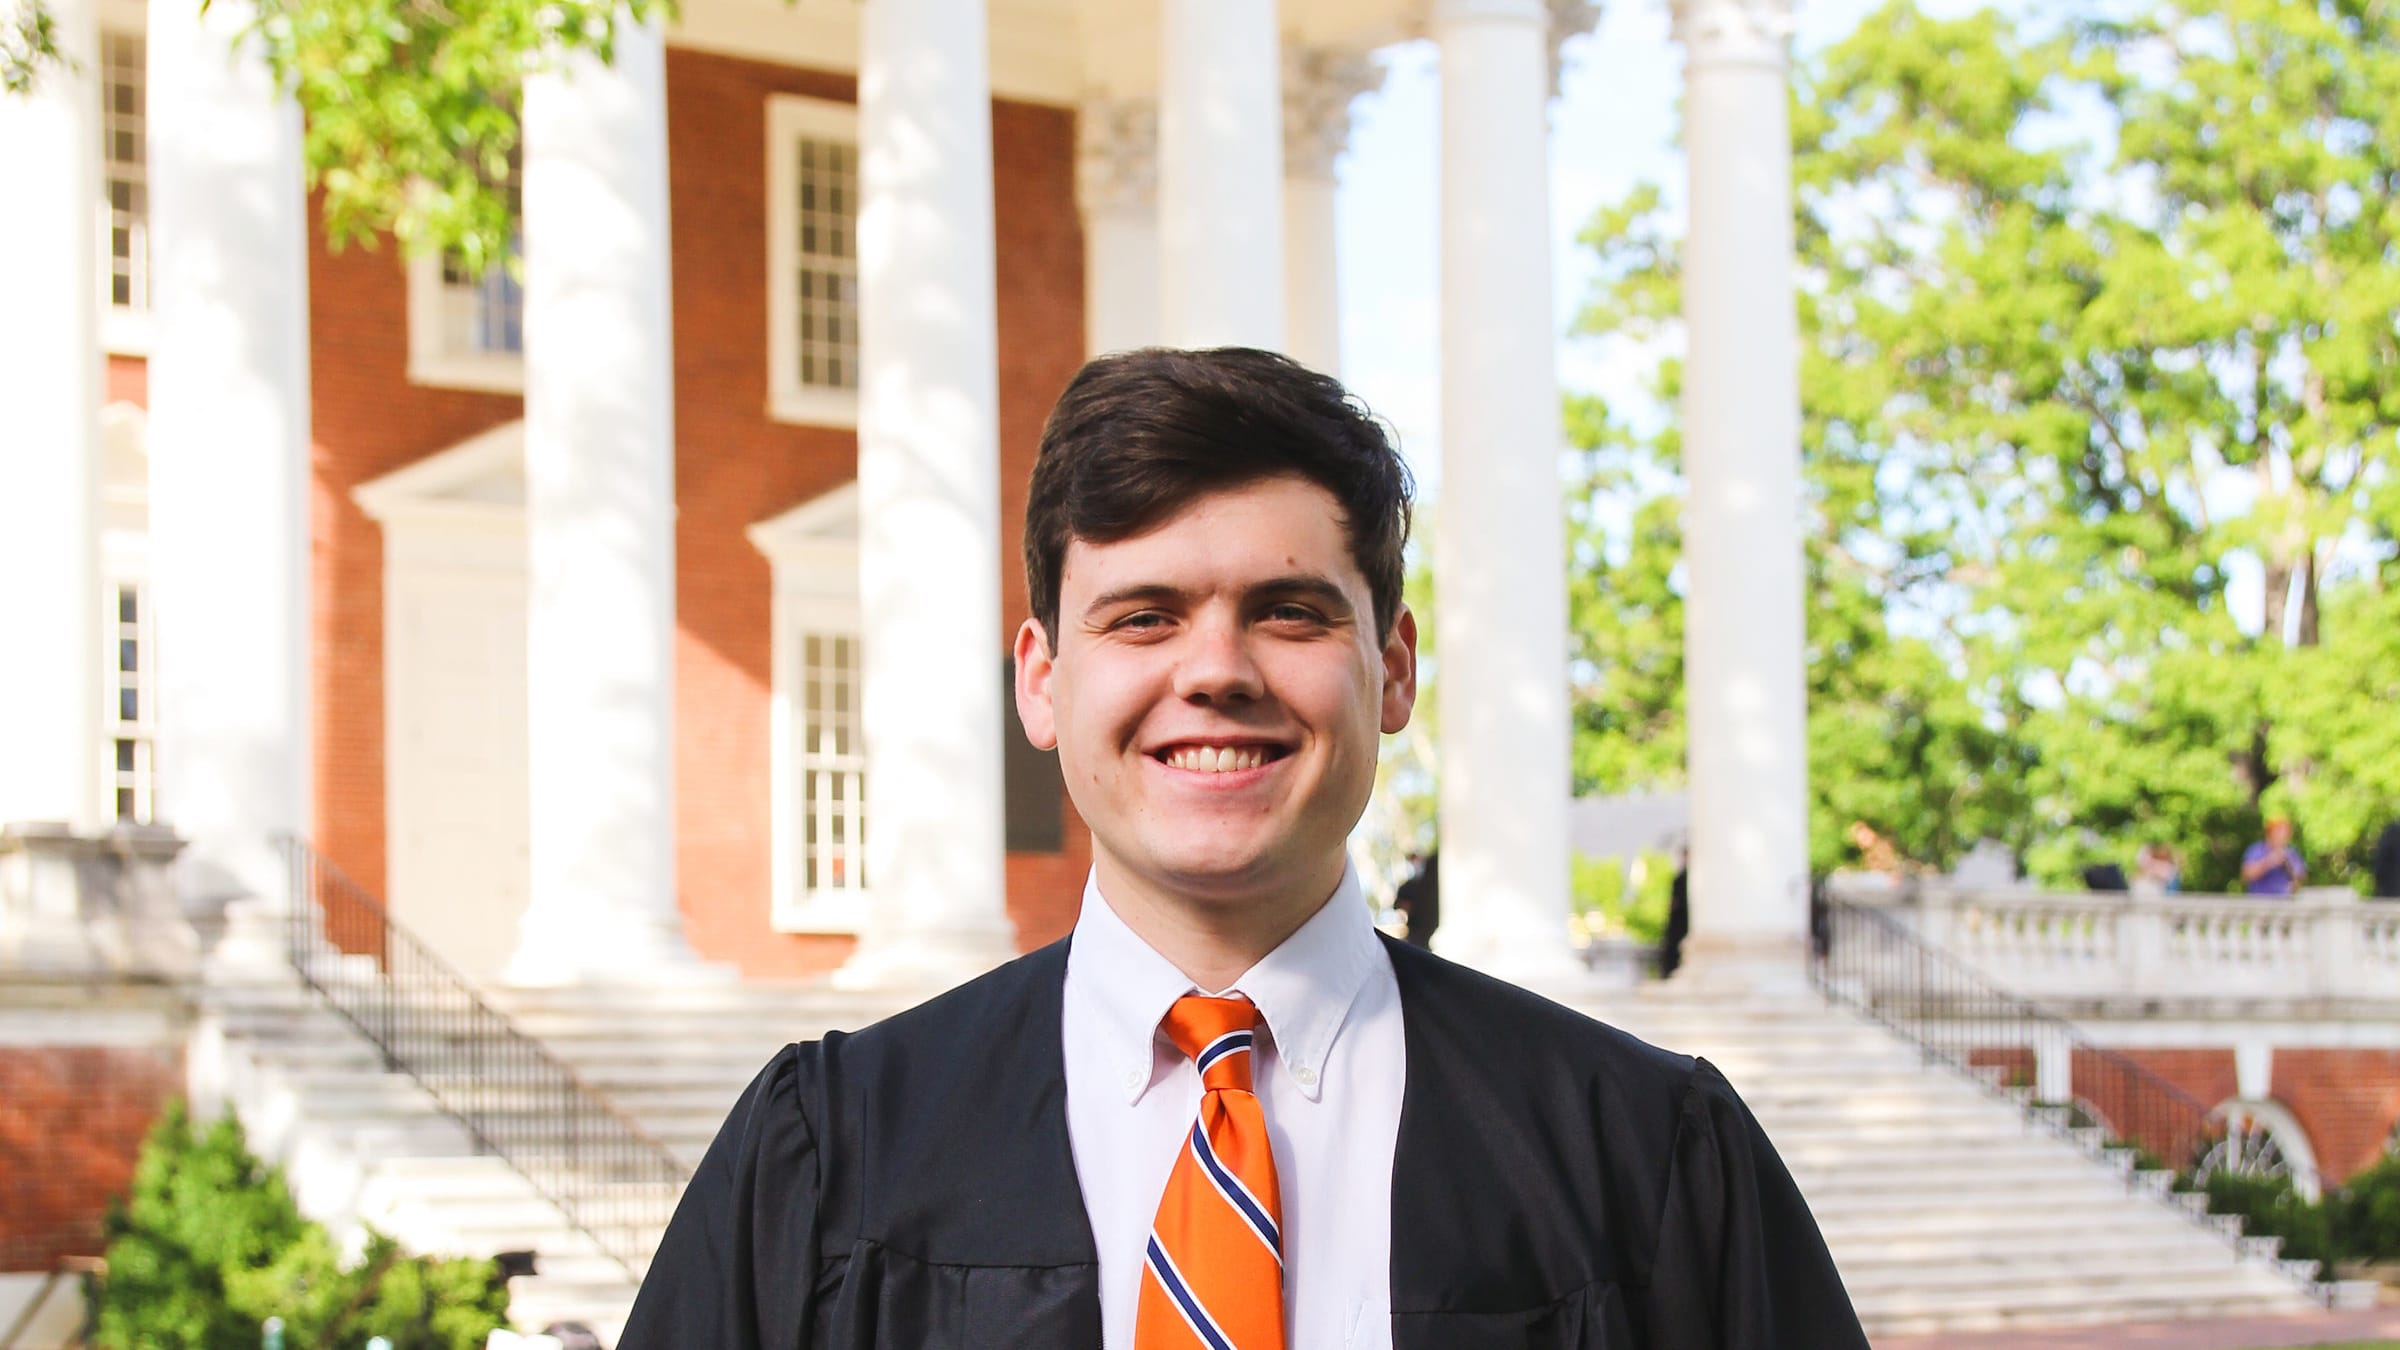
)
(2366, 1213)
(208, 1244)
(2270, 1206)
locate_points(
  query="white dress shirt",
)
(1328, 1067)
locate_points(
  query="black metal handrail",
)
(516, 1100)
(1957, 1015)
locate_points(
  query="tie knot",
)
(1215, 1034)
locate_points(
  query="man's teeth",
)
(1216, 758)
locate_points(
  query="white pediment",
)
(482, 478)
(829, 518)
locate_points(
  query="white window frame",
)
(431, 358)
(790, 119)
(141, 730)
(125, 563)
(124, 329)
(813, 550)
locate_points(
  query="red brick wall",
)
(71, 1124)
(734, 467)
(126, 380)
(368, 420)
(1040, 238)
(2156, 1122)
(2347, 1100)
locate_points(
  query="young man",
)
(1225, 1112)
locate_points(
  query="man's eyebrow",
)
(1302, 585)
(1142, 593)
(1307, 585)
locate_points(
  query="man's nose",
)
(1215, 664)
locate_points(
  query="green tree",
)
(410, 106)
(208, 1244)
(2095, 316)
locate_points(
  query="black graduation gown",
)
(1557, 1185)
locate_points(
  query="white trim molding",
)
(124, 209)
(813, 549)
(791, 121)
(433, 359)
(457, 783)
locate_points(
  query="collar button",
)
(1306, 1075)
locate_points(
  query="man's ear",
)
(1400, 672)
(1035, 666)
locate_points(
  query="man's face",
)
(1215, 691)
(2279, 832)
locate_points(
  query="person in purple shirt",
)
(2272, 866)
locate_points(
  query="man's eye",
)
(1295, 614)
(1148, 618)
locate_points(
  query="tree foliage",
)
(28, 42)
(209, 1244)
(410, 106)
(2097, 323)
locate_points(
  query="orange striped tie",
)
(1214, 1275)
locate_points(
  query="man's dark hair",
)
(1140, 435)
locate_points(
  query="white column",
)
(1319, 85)
(229, 464)
(1116, 183)
(929, 498)
(1220, 173)
(1500, 584)
(600, 524)
(1744, 682)
(50, 686)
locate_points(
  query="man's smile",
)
(1225, 762)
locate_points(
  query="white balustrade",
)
(2105, 946)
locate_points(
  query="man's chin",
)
(1232, 880)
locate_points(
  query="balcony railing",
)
(1959, 1016)
(515, 1099)
(2102, 947)
(2111, 1104)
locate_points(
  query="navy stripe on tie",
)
(1196, 1316)
(1221, 1047)
(1236, 1194)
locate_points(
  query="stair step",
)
(1946, 1209)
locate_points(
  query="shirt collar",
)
(1304, 988)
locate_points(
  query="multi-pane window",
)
(466, 328)
(833, 765)
(131, 718)
(812, 259)
(826, 263)
(482, 313)
(125, 175)
(486, 312)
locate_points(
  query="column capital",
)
(1734, 32)
(1488, 11)
(1568, 19)
(1319, 84)
(1116, 156)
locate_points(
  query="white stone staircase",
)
(363, 1144)
(1946, 1208)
